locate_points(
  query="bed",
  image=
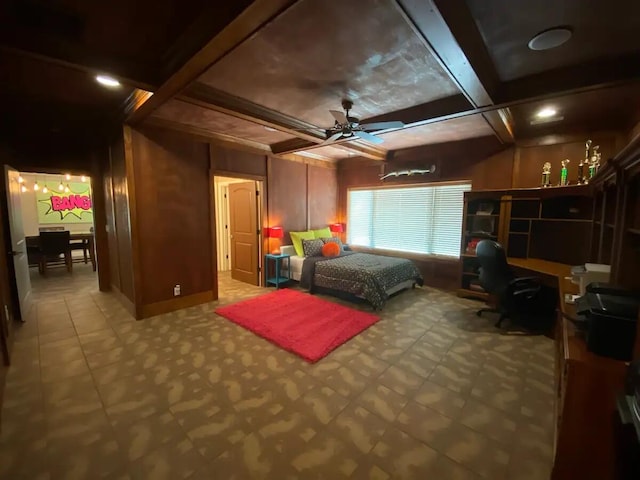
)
(372, 277)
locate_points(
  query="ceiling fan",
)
(346, 126)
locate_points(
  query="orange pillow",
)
(331, 249)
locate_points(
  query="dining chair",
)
(55, 249)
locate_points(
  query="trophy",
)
(595, 161)
(581, 177)
(563, 172)
(546, 174)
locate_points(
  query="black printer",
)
(609, 316)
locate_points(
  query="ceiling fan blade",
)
(368, 137)
(381, 125)
(339, 116)
(332, 138)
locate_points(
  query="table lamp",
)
(275, 232)
(336, 228)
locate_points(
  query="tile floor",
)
(429, 392)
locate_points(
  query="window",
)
(422, 219)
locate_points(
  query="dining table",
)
(33, 241)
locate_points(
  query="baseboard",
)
(177, 303)
(124, 300)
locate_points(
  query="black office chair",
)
(515, 296)
(55, 248)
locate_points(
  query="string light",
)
(83, 178)
(20, 179)
(45, 189)
(67, 176)
(61, 186)
(67, 189)
(36, 187)
(23, 189)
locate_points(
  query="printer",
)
(609, 316)
(583, 275)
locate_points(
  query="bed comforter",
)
(361, 274)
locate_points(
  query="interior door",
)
(243, 216)
(18, 248)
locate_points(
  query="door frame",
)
(262, 218)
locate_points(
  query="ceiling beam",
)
(573, 79)
(242, 27)
(359, 148)
(451, 36)
(207, 135)
(129, 73)
(210, 98)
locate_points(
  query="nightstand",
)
(277, 260)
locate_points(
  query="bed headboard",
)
(288, 250)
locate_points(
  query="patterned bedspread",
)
(363, 274)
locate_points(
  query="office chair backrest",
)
(54, 243)
(495, 273)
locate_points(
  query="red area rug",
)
(298, 322)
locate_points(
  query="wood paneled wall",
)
(120, 232)
(173, 217)
(487, 164)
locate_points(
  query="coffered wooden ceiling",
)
(265, 73)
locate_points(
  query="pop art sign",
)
(74, 206)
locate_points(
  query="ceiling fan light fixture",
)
(551, 38)
(546, 112)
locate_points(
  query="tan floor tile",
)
(440, 399)
(403, 456)
(358, 427)
(382, 401)
(489, 421)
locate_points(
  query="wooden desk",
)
(85, 237)
(587, 430)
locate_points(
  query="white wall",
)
(30, 205)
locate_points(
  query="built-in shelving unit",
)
(552, 224)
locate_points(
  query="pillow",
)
(321, 233)
(296, 239)
(334, 240)
(330, 249)
(312, 248)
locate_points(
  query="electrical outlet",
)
(176, 291)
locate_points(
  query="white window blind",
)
(422, 219)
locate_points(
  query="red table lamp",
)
(275, 232)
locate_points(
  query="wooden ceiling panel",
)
(607, 108)
(453, 130)
(334, 153)
(600, 30)
(316, 53)
(35, 80)
(216, 122)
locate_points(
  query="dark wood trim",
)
(133, 217)
(177, 303)
(316, 162)
(212, 229)
(128, 72)
(562, 138)
(99, 222)
(248, 22)
(450, 34)
(125, 301)
(226, 173)
(207, 97)
(208, 136)
(573, 79)
(361, 148)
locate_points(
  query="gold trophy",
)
(581, 176)
(595, 162)
(546, 174)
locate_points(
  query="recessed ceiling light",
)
(546, 112)
(552, 38)
(107, 81)
(270, 129)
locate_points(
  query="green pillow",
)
(296, 239)
(322, 233)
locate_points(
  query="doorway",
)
(51, 226)
(238, 229)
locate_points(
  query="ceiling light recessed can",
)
(107, 81)
(546, 112)
(552, 38)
